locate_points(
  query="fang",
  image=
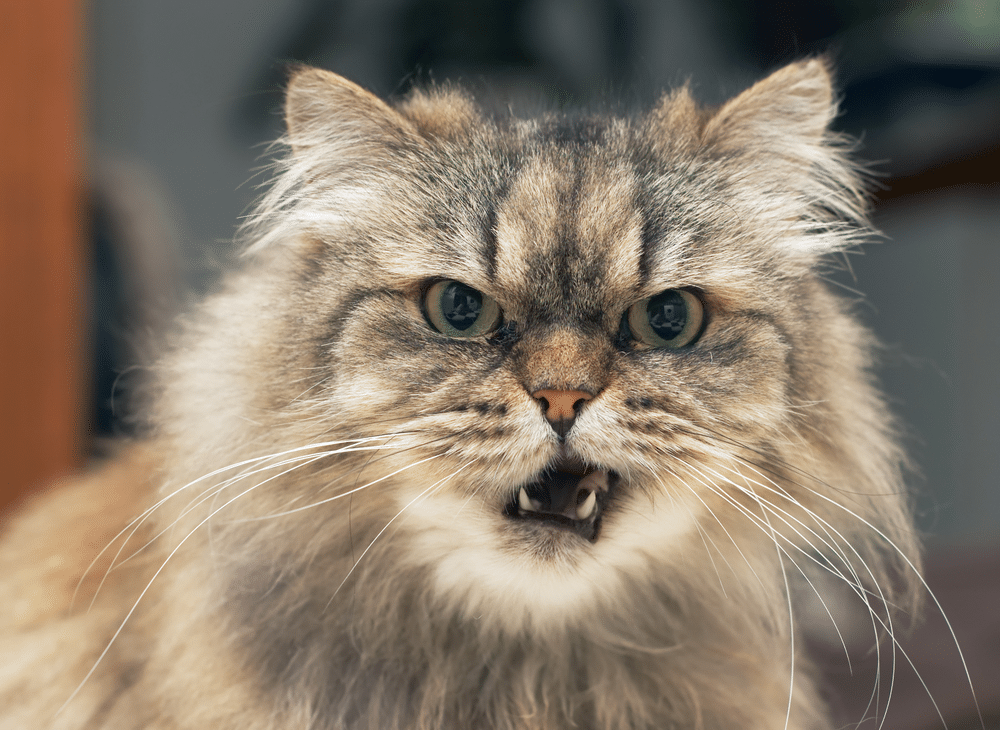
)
(586, 509)
(526, 503)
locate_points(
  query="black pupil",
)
(461, 305)
(667, 314)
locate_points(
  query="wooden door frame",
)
(42, 250)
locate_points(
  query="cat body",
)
(503, 424)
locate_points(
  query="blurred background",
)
(154, 117)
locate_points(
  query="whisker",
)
(306, 459)
(791, 618)
(413, 501)
(930, 593)
(705, 538)
(763, 522)
(376, 457)
(137, 522)
(142, 594)
(764, 505)
(213, 513)
(829, 542)
(341, 495)
(897, 550)
(721, 525)
(818, 594)
(855, 584)
(885, 623)
(774, 534)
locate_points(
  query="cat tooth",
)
(586, 509)
(596, 481)
(525, 502)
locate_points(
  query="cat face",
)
(571, 270)
(586, 351)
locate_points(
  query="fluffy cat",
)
(504, 423)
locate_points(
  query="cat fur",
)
(321, 539)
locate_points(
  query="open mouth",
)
(568, 494)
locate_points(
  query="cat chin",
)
(524, 577)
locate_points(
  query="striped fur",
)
(326, 544)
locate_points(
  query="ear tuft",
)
(677, 118)
(441, 112)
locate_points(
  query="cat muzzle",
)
(568, 495)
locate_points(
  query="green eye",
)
(457, 310)
(670, 319)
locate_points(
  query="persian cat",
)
(503, 423)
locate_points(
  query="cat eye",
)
(671, 319)
(457, 310)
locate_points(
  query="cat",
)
(502, 423)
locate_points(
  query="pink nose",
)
(561, 407)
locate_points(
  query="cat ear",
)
(794, 105)
(323, 108)
(790, 167)
(342, 139)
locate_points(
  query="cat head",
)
(550, 362)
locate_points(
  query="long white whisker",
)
(305, 460)
(755, 519)
(215, 491)
(809, 582)
(138, 600)
(788, 597)
(705, 537)
(136, 522)
(393, 519)
(855, 583)
(173, 552)
(341, 495)
(721, 525)
(887, 626)
(764, 524)
(887, 623)
(828, 542)
(875, 617)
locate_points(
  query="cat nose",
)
(561, 407)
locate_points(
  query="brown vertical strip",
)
(41, 244)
